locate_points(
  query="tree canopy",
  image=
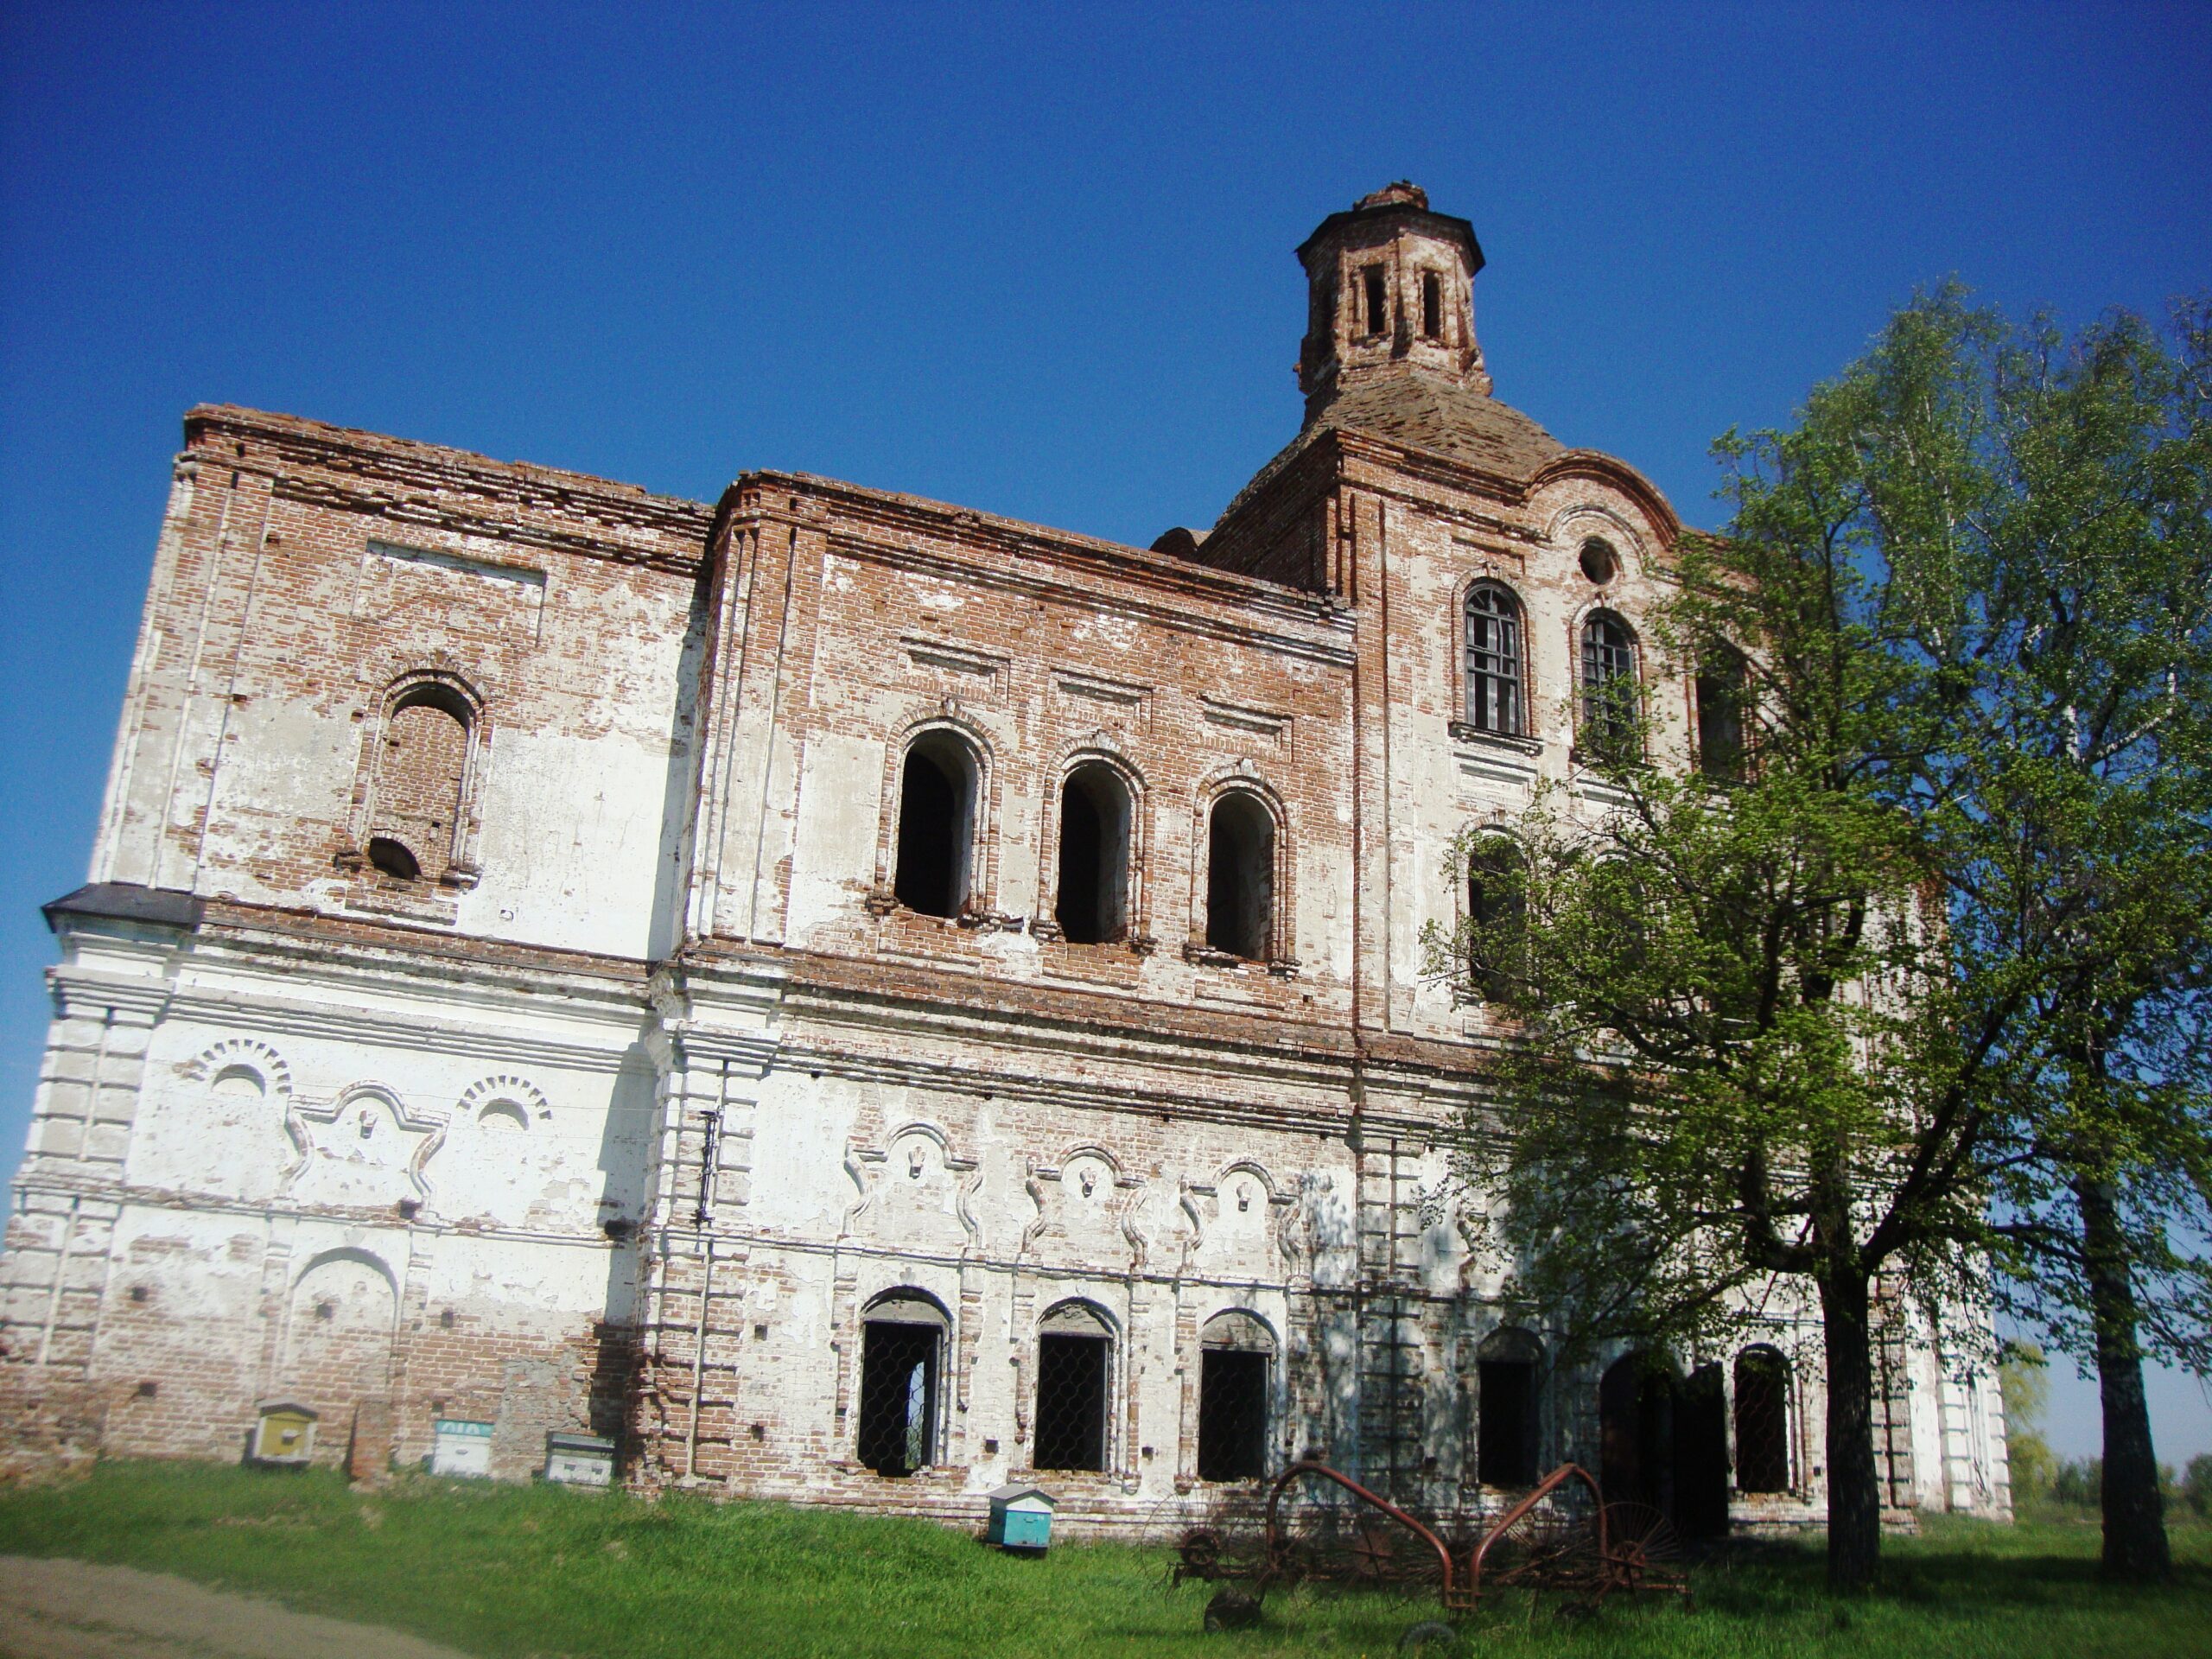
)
(1913, 960)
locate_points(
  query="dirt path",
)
(72, 1610)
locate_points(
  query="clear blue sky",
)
(1035, 260)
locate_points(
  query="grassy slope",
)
(508, 1572)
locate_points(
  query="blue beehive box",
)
(1022, 1517)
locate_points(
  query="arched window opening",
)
(1701, 1455)
(1720, 709)
(1378, 304)
(1095, 814)
(937, 822)
(1075, 1362)
(902, 1349)
(419, 787)
(1431, 307)
(1636, 1434)
(1236, 1351)
(1508, 1365)
(1496, 916)
(1495, 700)
(1762, 1421)
(1240, 876)
(1609, 688)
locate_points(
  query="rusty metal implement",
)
(1547, 1540)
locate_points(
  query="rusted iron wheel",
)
(1200, 1551)
(1641, 1543)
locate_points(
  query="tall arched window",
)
(1075, 1369)
(1721, 710)
(1234, 1352)
(1611, 715)
(902, 1355)
(419, 804)
(1508, 1364)
(938, 789)
(1095, 823)
(1497, 910)
(1495, 702)
(1240, 876)
(1762, 1421)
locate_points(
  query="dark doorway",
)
(1505, 1454)
(1071, 1373)
(1094, 856)
(1240, 877)
(1701, 1456)
(1636, 1431)
(936, 801)
(899, 1384)
(1232, 1414)
(1762, 1421)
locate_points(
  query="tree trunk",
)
(2134, 1514)
(1854, 1489)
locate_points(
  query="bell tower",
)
(1390, 290)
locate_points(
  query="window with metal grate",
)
(1071, 1375)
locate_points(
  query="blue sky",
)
(1035, 260)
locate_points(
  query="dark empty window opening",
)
(1497, 908)
(1094, 856)
(1074, 1360)
(1494, 700)
(1598, 563)
(393, 859)
(1431, 307)
(1608, 690)
(936, 805)
(1720, 719)
(1240, 877)
(1378, 303)
(898, 1394)
(1507, 1454)
(1762, 1421)
(1232, 1414)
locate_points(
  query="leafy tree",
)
(2196, 1484)
(2023, 1378)
(1888, 1002)
(2069, 816)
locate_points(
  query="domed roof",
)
(1422, 412)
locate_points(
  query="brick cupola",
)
(1391, 288)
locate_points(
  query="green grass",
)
(506, 1572)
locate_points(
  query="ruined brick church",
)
(856, 1000)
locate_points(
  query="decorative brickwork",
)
(525, 979)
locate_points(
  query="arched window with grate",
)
(1497, 700)
(902, 1358)
(1611, 716)
(1762, 1421)
(1075, 1370)
(1235, 1354)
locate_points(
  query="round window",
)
(1598, 563)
